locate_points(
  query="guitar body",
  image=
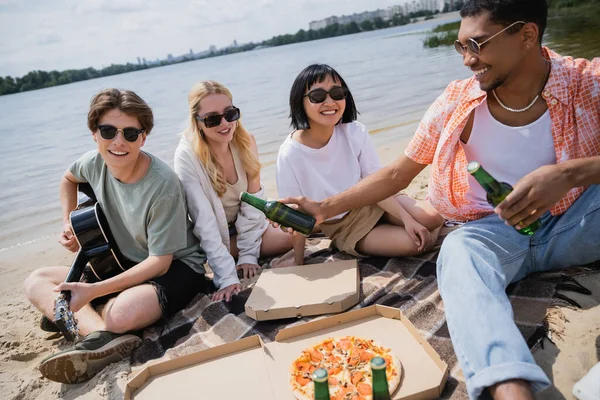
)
(104, 260)
(98, 257)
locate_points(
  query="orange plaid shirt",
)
(573, 97)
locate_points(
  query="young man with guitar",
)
(145, 208)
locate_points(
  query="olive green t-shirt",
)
(146, 218)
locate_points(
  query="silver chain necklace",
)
(518, 110)
(515, 110)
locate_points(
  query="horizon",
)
(98, 33)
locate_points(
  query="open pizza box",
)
(251, 369)
(300, 291)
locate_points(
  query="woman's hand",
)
(67, 238)
(250, 270)
(81, 293)
(419, 234)
(226, 292)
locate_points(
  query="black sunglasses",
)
(210, 121)
(109, 132)
(319, 95)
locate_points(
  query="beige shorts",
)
(352, 227)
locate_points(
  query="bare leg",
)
(133, 309)
(39, 287)
(275, 242)
(387, 240)
(513, 390)
(390, 219)
(421, 211)
(233, 249)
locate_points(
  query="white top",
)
(348, 157)
(493, 145)
(210, 224)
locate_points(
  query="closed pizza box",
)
(250, 369)
(305, 290)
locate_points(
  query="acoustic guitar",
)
(98, 257)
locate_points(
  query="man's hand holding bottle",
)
(304, 205)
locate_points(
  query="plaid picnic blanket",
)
(408, 283)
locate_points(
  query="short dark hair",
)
(124, 100)
(505, 12)
(305, 79)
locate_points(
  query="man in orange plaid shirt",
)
(532, 118)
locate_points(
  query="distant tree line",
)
(569, 3)
(346, 29)
(455, 7)
(445, 35)
(43, 79)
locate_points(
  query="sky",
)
(73, 34)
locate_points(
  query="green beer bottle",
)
(380, 384)
(282, 214)
(496, 192)
(320, 378)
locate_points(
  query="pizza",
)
(347, 361)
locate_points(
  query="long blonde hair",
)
(241, 138)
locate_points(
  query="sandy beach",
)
(24, 345)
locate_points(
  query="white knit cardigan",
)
(207, 213)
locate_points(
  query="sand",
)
(24, 345)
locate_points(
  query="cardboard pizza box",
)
(299, 291)
(250, 369)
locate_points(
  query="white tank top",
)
(508, 153)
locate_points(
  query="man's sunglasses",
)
(109, 132)
(474, 47)
(210, 121)
(319, 95)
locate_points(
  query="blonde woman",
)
(216, 160)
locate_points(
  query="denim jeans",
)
(476, 264)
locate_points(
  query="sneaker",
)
(47, 325)
(88, 357)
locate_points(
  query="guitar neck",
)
(76, 271)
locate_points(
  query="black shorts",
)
(175, 289)
(232, 229)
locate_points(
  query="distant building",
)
(432, 5)
(412, 6)
(170, 57)
(316, 25)
(387, 14)
(395, 10)
(346, 19)
(212, 48)
(191, 52)
(139, 61)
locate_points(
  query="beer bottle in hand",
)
(320, 378)
(282, 214)
(496, 192)
(380, 384)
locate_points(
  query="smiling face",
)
(119, 153)
(329, 112)
(500, 58)
(217, 104)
